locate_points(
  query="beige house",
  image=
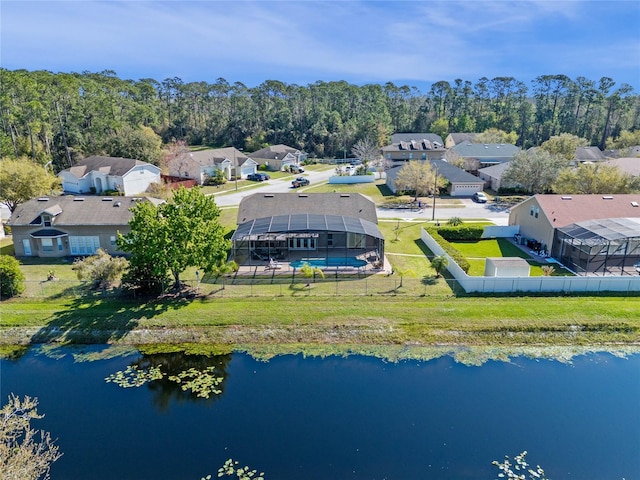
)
(414, 146)
(98, 174)
(70, 225)
(458, 138)
(201, 165)
(590, 234)
(278, 157)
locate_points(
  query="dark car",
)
(258, 177)
(300, 182)
(479, 197)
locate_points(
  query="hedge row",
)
(450, 249)
(471, 233)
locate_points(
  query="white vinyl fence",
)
(564, 284)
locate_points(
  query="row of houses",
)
(589, 234)
(99, 174)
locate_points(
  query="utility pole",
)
(235, 167)
(435, 189)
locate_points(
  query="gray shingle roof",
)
(589, 154)
(274, 151)
(486, 150)
(407, 137)
(262, 205)
(215, 156)
(116, 166)
(452, 173)
(76, 211)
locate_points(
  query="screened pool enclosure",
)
(600, 247)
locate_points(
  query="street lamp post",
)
(435, 189)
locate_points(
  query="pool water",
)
(330, 262)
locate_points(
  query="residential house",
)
(492, 175)
(203, 164)
(481, 155)
(458, 138)
(589, 154)
(414, 146)
(315, 225)
(589, 234)
(279, 157)
(61, 226)
(461, 183)
(628, 165)
(99, 174)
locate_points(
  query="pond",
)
(338, 417)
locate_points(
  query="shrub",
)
(455, 221)
(450, 249)
(101, 269)
(469, 233)
(11, 277)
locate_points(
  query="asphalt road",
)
(467, 210)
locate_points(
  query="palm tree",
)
(440, 264)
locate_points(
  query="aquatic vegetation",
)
(133, 376)
(201, 382)
(230, 469)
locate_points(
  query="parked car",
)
(258, 177)
(300, 182)
(296, 169)
(479, 197)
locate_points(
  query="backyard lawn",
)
(477, 252)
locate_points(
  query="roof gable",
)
(407, 137)
(215, 156)
(116, 166)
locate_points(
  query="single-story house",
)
(414, 146)
(461, 183)
(589, 154)
(589, 234)
(628, 165)
(492, 175)
(506, 267)
(70, 225)
(279, 157)
(481, 155)
(458, 138)
(284, 226)
(98, 174)
(201, 165)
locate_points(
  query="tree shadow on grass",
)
(96, 318)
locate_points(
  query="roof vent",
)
(607, 197)
(43, 199)
(303, 195)
(268, 195)
(345, 195)
(78, 199)
(634, 204)
(107, 199)
(566, 198)
(117, 204)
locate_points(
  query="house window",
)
(84, 245)
(537, 212)
(388, 156)
(330, 240)
(59, 244)
(424, 156)
(410, 156)
(47, 244)
(112, 240)
(531, 210)
(46, 220)
(302, 243)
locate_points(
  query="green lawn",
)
(477, 252)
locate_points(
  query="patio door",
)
(302, 243)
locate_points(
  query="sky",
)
(413, 43)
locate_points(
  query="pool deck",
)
(285, 268)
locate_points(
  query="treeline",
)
(61, 117)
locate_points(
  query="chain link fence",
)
(232, 287)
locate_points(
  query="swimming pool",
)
(330, 262)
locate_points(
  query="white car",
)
(479, 197)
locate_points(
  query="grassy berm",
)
(364, 320)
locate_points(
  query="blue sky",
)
(412, 42)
